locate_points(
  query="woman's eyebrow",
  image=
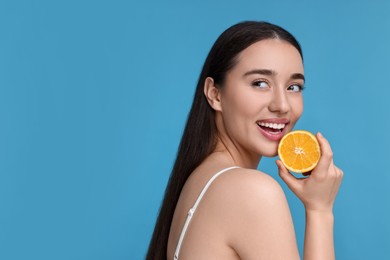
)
(298, 76)
(260, 71)
(268, 72)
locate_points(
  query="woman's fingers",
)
(291, 181)
(339, 175)
(326, 159)
(339, 172)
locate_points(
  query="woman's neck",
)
(235, 155)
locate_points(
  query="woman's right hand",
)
(319, 190)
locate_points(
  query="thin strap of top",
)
(192, 210)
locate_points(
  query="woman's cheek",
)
(297, 107)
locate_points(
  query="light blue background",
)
(94, 96)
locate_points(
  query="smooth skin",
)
(244, 214)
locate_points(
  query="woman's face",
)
(261, 98)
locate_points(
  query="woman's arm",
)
(257, 218)
(319, 235)
(318, 193)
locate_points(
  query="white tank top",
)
(192, 210)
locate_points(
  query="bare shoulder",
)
(251, 186)
(254, 179)
(256, 216)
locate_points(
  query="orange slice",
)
(299, 151)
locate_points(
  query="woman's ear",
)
(213, 94)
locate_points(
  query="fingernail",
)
(320, 135)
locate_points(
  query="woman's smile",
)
(274, 128)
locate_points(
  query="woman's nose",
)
(279, 103)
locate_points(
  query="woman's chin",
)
(273, 154)
(269, 152)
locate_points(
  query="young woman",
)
(217, 205)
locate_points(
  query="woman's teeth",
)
(272, 125)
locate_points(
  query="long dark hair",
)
(199, 137)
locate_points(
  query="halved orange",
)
(299, 151)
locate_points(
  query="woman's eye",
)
(295, 88)
(260, 84)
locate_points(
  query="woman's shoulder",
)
(246, 190)
(254, 211)
(250, 184)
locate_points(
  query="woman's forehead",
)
(272, 54)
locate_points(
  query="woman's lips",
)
(273, 129)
